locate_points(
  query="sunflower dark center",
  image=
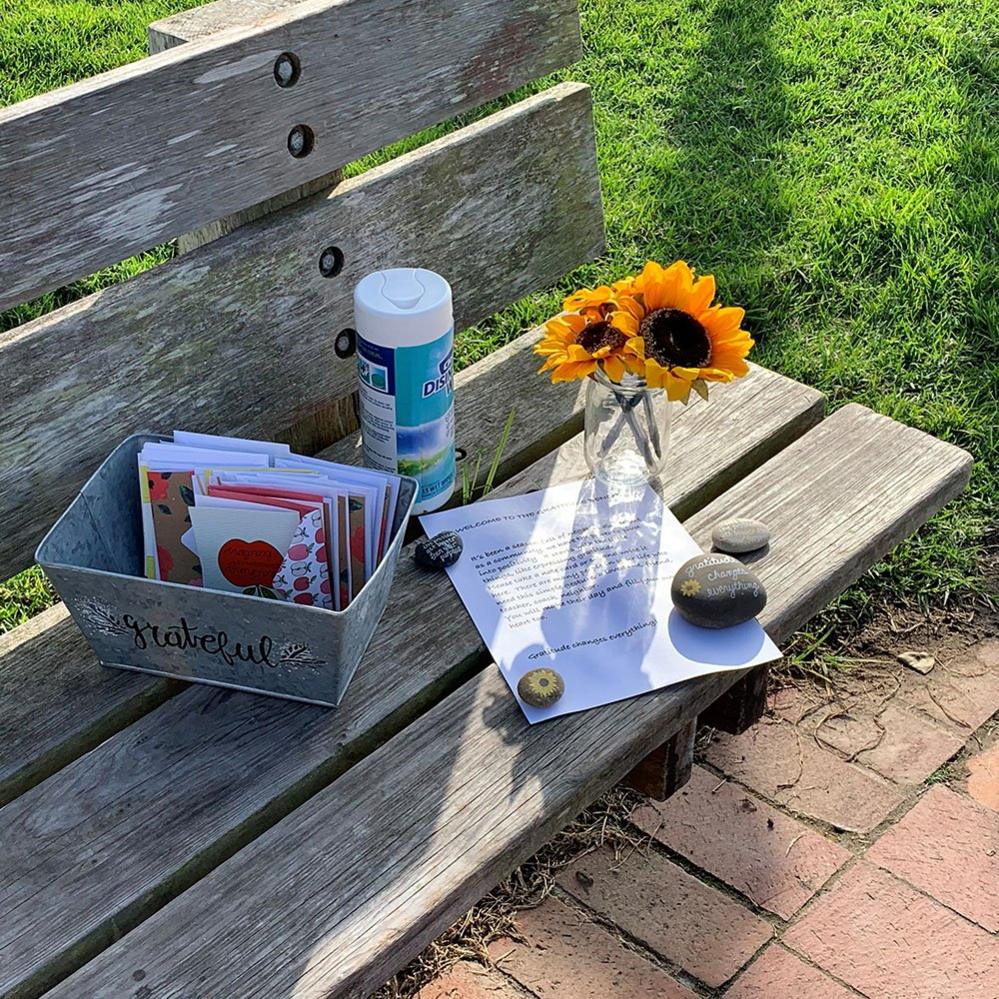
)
(601, 334)
(675, 339)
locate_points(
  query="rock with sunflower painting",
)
(717, 591)
(541, 688)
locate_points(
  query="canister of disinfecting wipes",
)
(405, 356)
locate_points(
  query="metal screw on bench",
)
(331, 261)
(287, 69)
(345, 344)
(301, 139)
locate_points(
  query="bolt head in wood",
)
(287, 69)
(345, 344)
(331, 261)
(301, 139)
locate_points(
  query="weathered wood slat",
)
(96, 171)
(201, 22)
(210, 19)
(164, 801)
(343, 892)
(56, 702)
(338, 418)
(238, 337)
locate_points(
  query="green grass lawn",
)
(836, 166)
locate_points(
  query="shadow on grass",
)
(717, 200)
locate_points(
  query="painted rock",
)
(717, 591)
(740, 535)
(440, 551)
(541, 688)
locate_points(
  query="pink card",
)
(301, 503)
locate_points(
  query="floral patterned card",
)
(170, 497)
(304, 576)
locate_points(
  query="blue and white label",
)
(407, 411)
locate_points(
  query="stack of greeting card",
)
(251, 517)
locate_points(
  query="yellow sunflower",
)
(577, 343)
(605, 298)
(684, 340)
(602, 299)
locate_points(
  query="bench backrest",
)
(237, 336)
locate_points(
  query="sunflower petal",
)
(577, 353)
(635, 365)
(549, 345)
(720, 320)
(701, 294)
(626, 286)
(655, 373)
(716, 375)
(631, 305)
(589, 298)
(734, 367)
(636, 346)
(614, 368)
(572, 371)
(625, 322)
(732, 344)
(677, 389)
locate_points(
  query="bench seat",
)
(185, 775)
(337, 896)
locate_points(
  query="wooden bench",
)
(164, 840)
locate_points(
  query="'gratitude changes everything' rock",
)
(740, 534)
(717, 591)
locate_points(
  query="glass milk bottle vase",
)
(626, 430)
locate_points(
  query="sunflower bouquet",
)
(657, 328)
(642, 342)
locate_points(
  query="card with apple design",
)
(242, 549)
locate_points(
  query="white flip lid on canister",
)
(402, 306)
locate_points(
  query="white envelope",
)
(199, 457)
(217, 443)
(363, 482)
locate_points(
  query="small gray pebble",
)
(717, 591)
(440, 551)
(741, 534)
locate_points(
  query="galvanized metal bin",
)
(94, 556)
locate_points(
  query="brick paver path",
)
(846, 846)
